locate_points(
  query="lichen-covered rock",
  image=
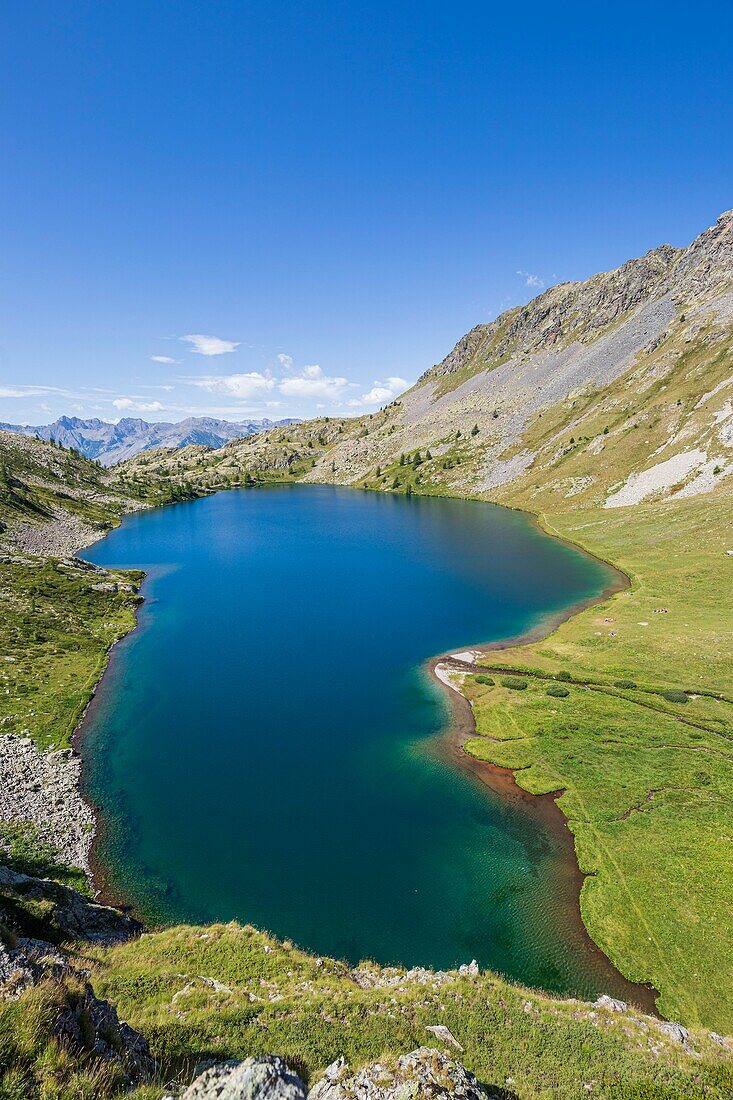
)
(424, 1073)
(265, 1078)
(15, 975)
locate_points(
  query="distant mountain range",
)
(110, 443)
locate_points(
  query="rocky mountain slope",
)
(109, 443)
(606, 392)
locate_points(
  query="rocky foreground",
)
(425, 1072)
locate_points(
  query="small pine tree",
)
(474, 430)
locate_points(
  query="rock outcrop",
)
(44, 910)
(424, 1073)
(87, 1025)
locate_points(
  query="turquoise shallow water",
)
(263, 746)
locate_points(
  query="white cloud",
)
(382, 391)
(33, 391)
(286, 361)
(247, 386)
(531, 280)
(210, 345)
(313, 383)
(162, 359)
(127, 404)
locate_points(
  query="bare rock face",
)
(265, 1078)
(424, 1073)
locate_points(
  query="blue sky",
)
(246, 209)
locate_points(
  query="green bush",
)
(675, 696)
(516, 683)
(482, 679)
(557, 692)
(628, 684)
(563, 676)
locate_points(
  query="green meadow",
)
(641, 747)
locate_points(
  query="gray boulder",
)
(675, 1031)
(611, 1004)
(265, 1078)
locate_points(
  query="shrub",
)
(557, 692)
(675, 696)
(516, 683)
(563, 676)
(482, 679)
(628, 684)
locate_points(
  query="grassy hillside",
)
(220, 991)
(229, 991)
(58, 618)
(57, 626)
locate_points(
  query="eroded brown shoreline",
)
(502, 781)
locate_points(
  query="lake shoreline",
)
(452, 739)
(544, 809)
(502, 781)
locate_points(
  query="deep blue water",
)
(263, 746)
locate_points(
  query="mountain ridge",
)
(110, 442)
(540, 406)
